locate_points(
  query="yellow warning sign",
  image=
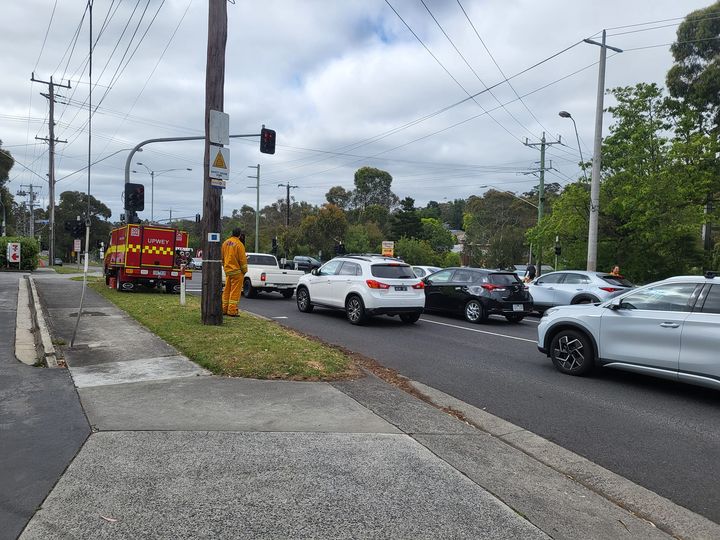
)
(219, 162)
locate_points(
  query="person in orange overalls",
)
(235, 266)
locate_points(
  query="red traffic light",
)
(267, 141)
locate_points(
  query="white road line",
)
(278, 317)
(479, 331)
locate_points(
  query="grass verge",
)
(74, 269)
(245, 346)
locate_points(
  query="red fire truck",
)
(148, 256)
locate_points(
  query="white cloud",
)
(324, 74)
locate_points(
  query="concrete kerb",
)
(42, 335)
(645, 504)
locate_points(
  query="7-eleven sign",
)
(13, 252)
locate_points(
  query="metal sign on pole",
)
(13, 252)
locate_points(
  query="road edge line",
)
(666, 515)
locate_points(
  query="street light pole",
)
(597, 156)
(566, 114)
(153, 174)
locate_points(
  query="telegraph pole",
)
(214, 98)
(287, 213)
(287, 202)
(541, 190)
(51, 140)
(597, 157)
(257, 206)
(30, 194)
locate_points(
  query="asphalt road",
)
(664, 436)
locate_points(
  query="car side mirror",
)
(314, 271)
(427, 281)
(615, 304)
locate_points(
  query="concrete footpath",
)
(178, 453)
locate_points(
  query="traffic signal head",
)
(274, 246)
(78, 229)
(557, 249)
(267, 141)
(134, 197)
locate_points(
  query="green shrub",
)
(29, 250)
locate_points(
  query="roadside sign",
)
(76, 245)
(219, 127)
(13, 252)
(214, 182)
(219, 163)
(388, 248)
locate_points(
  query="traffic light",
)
(267, 141)
(197, 218)
(557, 249)
(274, 249)
(78, 229)
(134, 197)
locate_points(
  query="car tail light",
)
(419, 285)
(376, 284)
(263, 277)
(491, 287)
(610, 289)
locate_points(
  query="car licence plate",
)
(518, 307)
(400, 287)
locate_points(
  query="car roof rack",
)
(710, 274)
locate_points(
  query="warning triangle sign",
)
(219, 162)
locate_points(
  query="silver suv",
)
(363, 286)
(575, 287)
(668, 329)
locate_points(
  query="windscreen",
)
(392, 271)
(616, 280)
(504, 279)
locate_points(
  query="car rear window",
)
(264, 260)
(504, 279)
(616, 280)
(392, 271)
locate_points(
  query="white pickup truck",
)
(264, 274)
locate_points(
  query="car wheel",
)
(409, 318)
(572, 353)
(248, 290)
(475, 312)
(514, 318)
(303, 300)
(355, 310)
(287, 294)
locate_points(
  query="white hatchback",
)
(363, 286)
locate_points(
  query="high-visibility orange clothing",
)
(235, 266)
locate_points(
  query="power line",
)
(471, 68)
(47, 31)
(472, 97)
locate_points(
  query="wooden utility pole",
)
(212, 220)
(51, 140)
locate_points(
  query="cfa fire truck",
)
(148, 256)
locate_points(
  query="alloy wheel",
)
(570, 353)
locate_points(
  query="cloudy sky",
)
(345, 83)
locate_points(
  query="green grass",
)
(244, 346)
(73, 269)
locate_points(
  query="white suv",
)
(363, 285)
(668, 329)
